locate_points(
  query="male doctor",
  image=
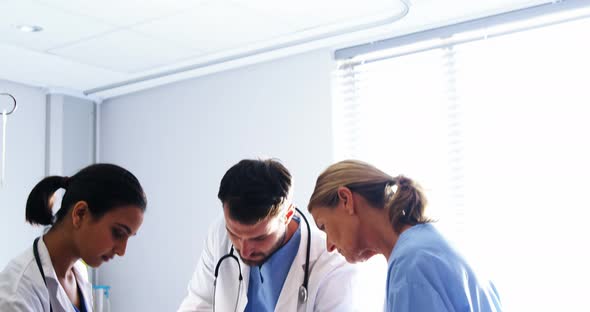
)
(255, 256)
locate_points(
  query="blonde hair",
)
(402, 197)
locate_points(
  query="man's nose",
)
(246, 249)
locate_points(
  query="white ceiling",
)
(89, 44)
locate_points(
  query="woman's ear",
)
(79, 213)
(345, 197)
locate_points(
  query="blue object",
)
(426, 274)
(266, 281)
(105, 288)
(82, 302)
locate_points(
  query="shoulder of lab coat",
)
(22, 288)
(333, 282)
(200, 288)
(19, 288)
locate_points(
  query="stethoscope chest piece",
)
(302, 294)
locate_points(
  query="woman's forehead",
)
(320, 211)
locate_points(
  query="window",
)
(497, 131)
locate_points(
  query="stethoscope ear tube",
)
(40, 266)
(240, 278)
(303, 288)
(229, 255)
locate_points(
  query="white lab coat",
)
(331, 287)
(22, 288)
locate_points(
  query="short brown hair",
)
(255, 189)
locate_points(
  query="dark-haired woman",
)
(365, 212)
(101, 208)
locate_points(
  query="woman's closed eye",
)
(118, 233)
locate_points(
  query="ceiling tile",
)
(217, 26)
(124, 51)
(45, 70)
(124, 12)
(306, 14)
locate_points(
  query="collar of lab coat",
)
(59, 298)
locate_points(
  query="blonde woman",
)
(365, 212)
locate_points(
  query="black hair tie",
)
(65, 182)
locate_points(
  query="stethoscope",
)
(40, 266)
(230, 255)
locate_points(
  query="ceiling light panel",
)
(29, 28)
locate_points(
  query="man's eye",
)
(258, 239)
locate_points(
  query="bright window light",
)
(496, 131)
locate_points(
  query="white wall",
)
(79, 126)
(25, 165)
(180, 139)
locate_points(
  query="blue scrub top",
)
(426, 274)
(266, 281)
(82, 302)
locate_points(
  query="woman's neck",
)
(382, 232)
(61, 251)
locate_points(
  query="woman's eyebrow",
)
(126, 228)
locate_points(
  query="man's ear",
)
(345, 198)
(79, 213)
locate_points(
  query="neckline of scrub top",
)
(82, 302)
(404, 235)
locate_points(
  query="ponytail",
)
(406, 204)
(39, 209)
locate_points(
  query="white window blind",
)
(497, 131)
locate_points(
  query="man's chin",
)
(254, 262)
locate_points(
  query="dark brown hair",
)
(255, 189)
(102, 186)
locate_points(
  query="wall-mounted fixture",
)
(7, 107)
